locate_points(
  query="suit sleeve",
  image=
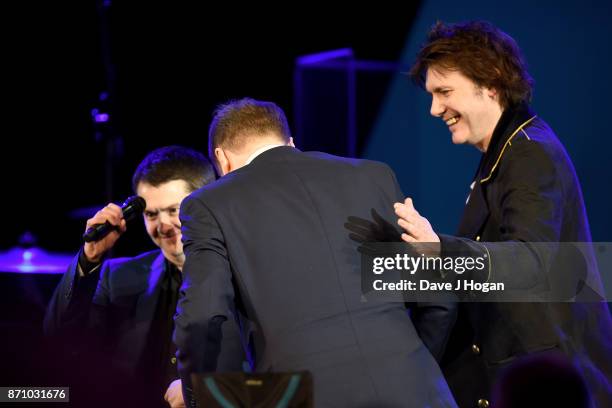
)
(207, 295)
(99, 312)
(432, 320)
(68, 311)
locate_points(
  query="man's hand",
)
(418, 229)
(375, 230)
(94, 251)
(174, 394)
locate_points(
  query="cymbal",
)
(33, 260)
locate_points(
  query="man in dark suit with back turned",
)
(270, 235)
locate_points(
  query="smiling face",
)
(162, 216)
(470, 112)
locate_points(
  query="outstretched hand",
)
(417, 228)
(375, 230)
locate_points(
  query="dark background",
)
(173, 63)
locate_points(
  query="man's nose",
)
(165, 220)
(437, 109)
(165, 228)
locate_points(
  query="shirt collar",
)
(261, 150)
(513, 119)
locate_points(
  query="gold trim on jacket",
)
(508, 142)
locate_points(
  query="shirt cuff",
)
(85, 267)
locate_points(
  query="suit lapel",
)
(134, 342)
(475, 214)
(509, 125)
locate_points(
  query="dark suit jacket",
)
(525, 191)
(113, 309)
(271, 235)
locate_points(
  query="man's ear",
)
(492, 93)
(291, 142)
(223, 161)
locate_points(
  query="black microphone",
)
(133, 206)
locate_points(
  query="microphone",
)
(133, 206)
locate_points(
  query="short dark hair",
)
(170, 163)
(236, 121)
(480, 51)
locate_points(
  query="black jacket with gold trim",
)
(525, 191)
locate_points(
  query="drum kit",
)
(33, 260)
(28, 258)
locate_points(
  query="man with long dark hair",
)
(525, 191)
